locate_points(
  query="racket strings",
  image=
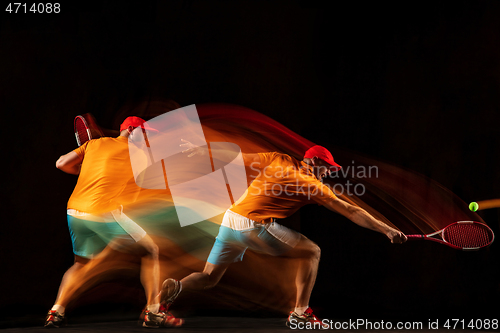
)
(81, 131)
(467, 235)
(83, 135)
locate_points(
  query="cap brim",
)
(334, 167)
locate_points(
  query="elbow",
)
(60, 163)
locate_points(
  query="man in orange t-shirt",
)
(98, 225)
(281, 188)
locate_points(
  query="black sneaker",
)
(307, 320)
(170, 289)
(53, 319)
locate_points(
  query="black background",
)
(412, 83)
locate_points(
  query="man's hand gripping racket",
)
(396, 236)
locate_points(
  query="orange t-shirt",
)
(281, 188)
(105, 172)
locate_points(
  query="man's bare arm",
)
(70, 163)
(362, 218)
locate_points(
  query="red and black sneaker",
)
(307, 320)
(161, 319)
(54, 319)
(170, 320)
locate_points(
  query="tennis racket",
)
(86, 129)
(82, 130)
(462, 235)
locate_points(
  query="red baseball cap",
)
(135, 122)
(324, 154)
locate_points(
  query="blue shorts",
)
(271, 238)
(89, 238)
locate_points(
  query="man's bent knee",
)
(306, 249)
(315, 251)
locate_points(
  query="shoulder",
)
(99, 143)
(107, 140)
(271, 156)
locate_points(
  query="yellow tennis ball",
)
(473, 206)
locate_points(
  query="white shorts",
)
(237, 233)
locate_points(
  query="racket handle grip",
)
(415, 236)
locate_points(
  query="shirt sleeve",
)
(80, 151)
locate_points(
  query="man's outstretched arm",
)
(362, 218)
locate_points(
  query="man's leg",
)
(150, 273)
(85, 243)
(171, 288)
(210, 276)
(68, 281)
(308, 254)
(56, 314)
(150, 264)
(85, 273)
(224, 252)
